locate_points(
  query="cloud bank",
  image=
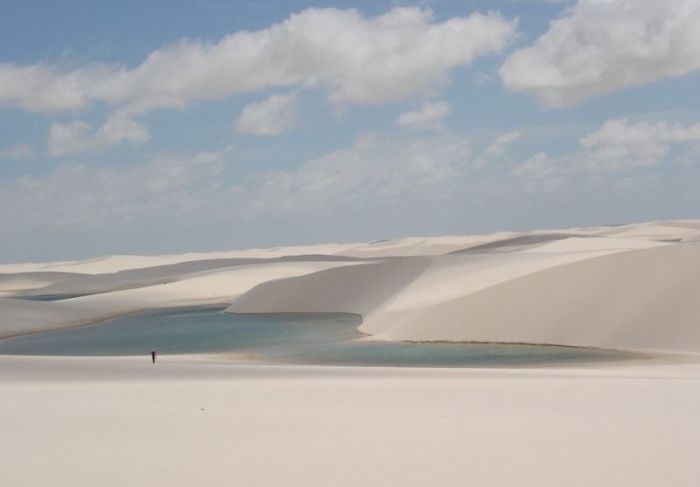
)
(354, 58)
(74, 137)
(379, 184)
(600, 46)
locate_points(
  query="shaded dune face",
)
(148, 276)
(518, 243)
(26, 281)
(639, 300)
(20, 316)
(642, 299)
(356, 289)
(216, 286)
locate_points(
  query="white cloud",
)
(49, 89)
(618, 146)
(17, 152)
(374, 172)
(378, 175)
(381, 185)
(599, 46)
(428, 116)
(356, 59)
(621, 144)
(500, 144)
(272, 116)
(99, 196)
(540, 1)
(76, 136)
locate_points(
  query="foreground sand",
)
(184, 422)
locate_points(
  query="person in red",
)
(153, 356)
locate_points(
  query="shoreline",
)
(539, 359)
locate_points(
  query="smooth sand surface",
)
(183, 422)
(18, 316)
(624, 293)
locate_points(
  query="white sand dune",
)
(200, 420)
(217, 286)
(432, 280)
(163, 274)
(116, 263)
(625, 287)
(18, 316)
(642, 300)
(619, 293)
(13, 283)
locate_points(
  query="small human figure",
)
(153, 356)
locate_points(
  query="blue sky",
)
(150, 127)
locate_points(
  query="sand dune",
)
(19, 282)
(116, 263)
(124, 421)
(639, 300)
(19, 316)
(630, 294)
(163, 274)
(207, 287)
(623, 287)
(216, 286)
(356, 289)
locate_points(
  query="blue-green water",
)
(278, 338)
(50, 297)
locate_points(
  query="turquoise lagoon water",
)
(329, 339)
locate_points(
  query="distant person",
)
(153, 356)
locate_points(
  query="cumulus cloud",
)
(618, 146)
(428, 116)
(599, 46)
(500, 144)
(620, 143)
(99, 196)
(17, 152)
(375, 171)
(378, 174)
(355, 58)
(49, 89)
(272, 116)
(188, 196)
(540, 1)
(77, 136)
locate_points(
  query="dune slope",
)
(639, 300)
(603, 292)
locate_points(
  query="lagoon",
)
(319, 338)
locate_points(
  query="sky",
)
(192, 125)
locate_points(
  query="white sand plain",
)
(208, 421)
